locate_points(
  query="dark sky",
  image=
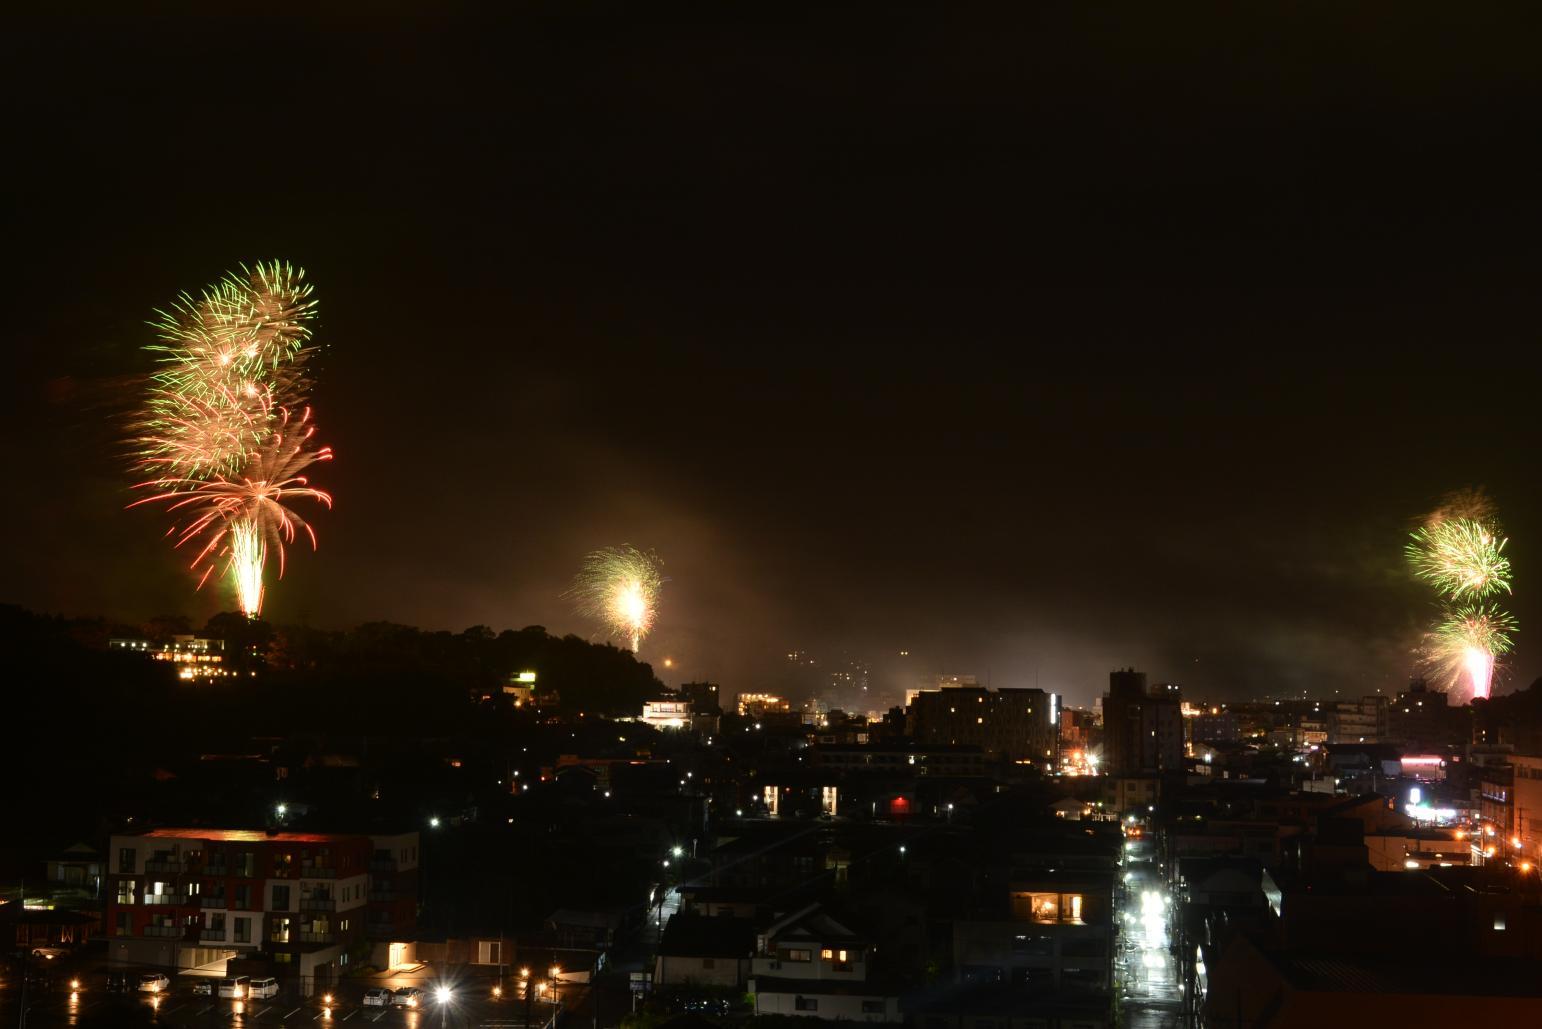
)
(1105, 335)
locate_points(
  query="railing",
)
(318, 903)
(216, 871)
(381, 896)
(314, 937)
(317, 872)
(212, 936)
(163, 868)
(207, 901)
(169, 932)
(165, 898)
(379, 866)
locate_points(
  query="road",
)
(1145, 967)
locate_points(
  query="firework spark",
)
(1463, 558)
(227, 361)
(1469, 639)
(619, 587)
(239, 518)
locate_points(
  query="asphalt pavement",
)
(1146, 968)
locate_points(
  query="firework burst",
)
(236, 520)
(1469, 640)
(619, 587)
(214, 439)
(1462, 558)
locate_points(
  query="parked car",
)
(49, 953)
(234, 988)
(120, 982)
(155, 982)
(407, 997)
(203, 988)
(379, 997)
(265, 987)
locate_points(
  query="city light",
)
(443, 994)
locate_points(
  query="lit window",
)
(1499, 923)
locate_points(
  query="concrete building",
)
(696, 950)
(179, 898)
(1142, 726)
(1009, 724)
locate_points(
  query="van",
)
(265, 987)
(234, 988)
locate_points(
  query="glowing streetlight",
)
(433, 823)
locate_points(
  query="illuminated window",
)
(827, 954)
(1499, 923)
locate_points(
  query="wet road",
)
(1145, 967)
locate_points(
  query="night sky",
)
(1034, 348)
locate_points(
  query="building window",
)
(280, 898)
(244, 897)
(246, 865)
(806, 1004)
(489, 952)
(122, 926)
(243, 930)
(1499, 923)
(126, 891)
(826, 954)
(126, 859)
(798, 955)
(282, 957)
(281, 930)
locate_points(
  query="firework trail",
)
(1459, 552)
(238, 519)
(214, 438)
(619, 587)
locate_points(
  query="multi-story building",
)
(1055, 936)
(1357, 721)
(393, 887)
(809, 964)
(1012, 724)
(177, 898)
(1142, 725)
(1526, 799)
(901, 757)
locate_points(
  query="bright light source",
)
(282, 809)
(678, 851)
(443, 993)
(433, 823)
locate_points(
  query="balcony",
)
(318, 903)
(215, 901)
(165, 932)
(165, 898)
(314, 937)
(381, 896)
(382, 866)
(212, 936)
(172, 867)
(216, 871)
(317, 872)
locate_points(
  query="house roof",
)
(705, 936)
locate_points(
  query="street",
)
(1145, 968)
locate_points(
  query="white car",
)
(379, 997)
(408, 997)
(266, 987)
(154, 983)
(234, 988)
(49, 953)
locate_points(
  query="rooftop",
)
(242, 836)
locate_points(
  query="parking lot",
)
(92, 1004)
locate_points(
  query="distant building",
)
(667, 714)
(1142, 726)
(811, 965)
(1012, 724)
(758, 705)
(1357, 721)
(703, 697)
(195, 658)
